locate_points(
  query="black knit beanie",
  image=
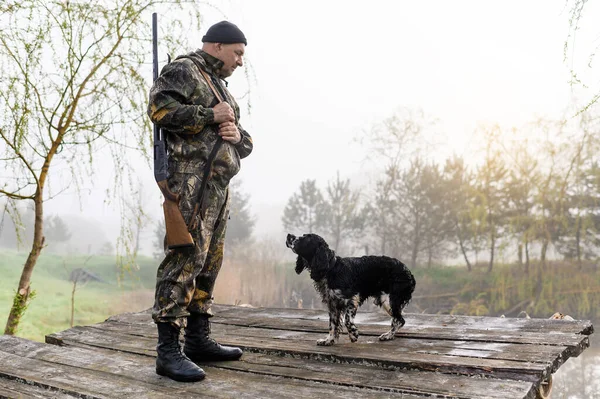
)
(224, 32)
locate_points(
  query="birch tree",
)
(74, 78)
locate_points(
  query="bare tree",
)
(136, 221)
(582, 238)
(71, 85)
(458, 190)
(420, 217)
(343, 217)
(580, 199)
(58, 232)
(380, 210)
(491, 185)
(524, 178)
(241, 225)
(304, 210)
(405, 133)
(392, 144)
(160, 247)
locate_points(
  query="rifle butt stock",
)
(178, 235)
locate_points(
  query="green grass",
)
(50, 310)
(558, 287)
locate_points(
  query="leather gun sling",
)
(198, 207)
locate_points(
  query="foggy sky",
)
(326, 71)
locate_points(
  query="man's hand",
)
(229, 132)
(223, 113)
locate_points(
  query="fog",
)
(324, 73)
(322, 79)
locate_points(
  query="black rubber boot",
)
(170, 362)
(200, 347)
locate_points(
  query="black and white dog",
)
(345, 283)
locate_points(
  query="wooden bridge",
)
(440, 356)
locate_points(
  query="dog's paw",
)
(325, 342)
(388, 336)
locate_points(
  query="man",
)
(184, 105)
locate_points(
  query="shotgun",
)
(178, 235)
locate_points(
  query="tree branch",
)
(18, 154)
(16, 196)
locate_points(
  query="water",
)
(579, 377)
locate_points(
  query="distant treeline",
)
(526, 194)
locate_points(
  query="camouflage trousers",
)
(186, 278)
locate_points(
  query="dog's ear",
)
(320, 263)
(300, 264)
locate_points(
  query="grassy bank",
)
(50, 310)
(556, 287)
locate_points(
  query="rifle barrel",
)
(154, 46)
(160, 153)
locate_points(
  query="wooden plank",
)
(389, 356)
(584, 327)
(134, 376)
(405, 381)
(519, 352)
(385, 354)
(575, 343)
(460, 323)
(16, 388)
(71, 380)
(551, 355)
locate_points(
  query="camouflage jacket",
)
(181, 103)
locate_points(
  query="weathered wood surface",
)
(440, 356)
(94, 373)
(22, 389)
(351, 374)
